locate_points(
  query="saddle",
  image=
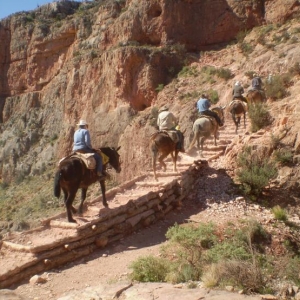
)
(171, 133)
(210, 118)
(88, 159)
(238, 101)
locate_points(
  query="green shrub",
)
(189, 236)
(246, 48)
(224, 73)
(159, 88)
(277, 87)
(188, 71)
(193, 95)
(290, 270)
(213, 96)
(221, 73)
(283, 156)
(182, 272)
(149, 269)
(279, 213)
(259, 116)
(232, 249)
(252, 233)
(255, 171)
(241, 36)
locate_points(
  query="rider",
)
(257, 85)
(238, 92)
(167, 121)
(203, 105)
(256, 82)
(82, 143)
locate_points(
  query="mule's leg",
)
(83, 196)
(215, 137)
(74, 210)
(103, 190)
(175, 160)
(244, 120)
(193, 142)
(69, 203)
(161, 161)
(202, 139)
(235, 122)
(154, 158)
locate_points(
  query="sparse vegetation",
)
(259, 116)
(219, 72)
(283, 156)
(277, 87)
(213, 96)
(188, 71)
(255, 171)
(160, 87)
(195, 252)
(279, 213)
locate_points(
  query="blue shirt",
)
(203, 105)
(82, 140)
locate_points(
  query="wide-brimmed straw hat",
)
(82, 123)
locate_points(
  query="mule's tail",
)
(57, 184)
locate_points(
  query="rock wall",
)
(102, 61)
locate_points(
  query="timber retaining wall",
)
(23, 257)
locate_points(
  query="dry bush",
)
(238, 273)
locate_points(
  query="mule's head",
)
(114, 157)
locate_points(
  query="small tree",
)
(259, 116)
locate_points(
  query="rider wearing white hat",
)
(238, 92)
(82, 143)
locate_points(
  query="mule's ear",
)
(118, 148)
(224, 106)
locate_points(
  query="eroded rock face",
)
(104, 61)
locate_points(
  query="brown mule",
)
(73, 175)
(161, 143)
(255, 96)
(237, 109)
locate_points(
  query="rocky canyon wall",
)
(104, 61)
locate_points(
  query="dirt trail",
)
(111, 264)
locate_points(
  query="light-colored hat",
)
(237, 83)
(163, 108)
(82, 123)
